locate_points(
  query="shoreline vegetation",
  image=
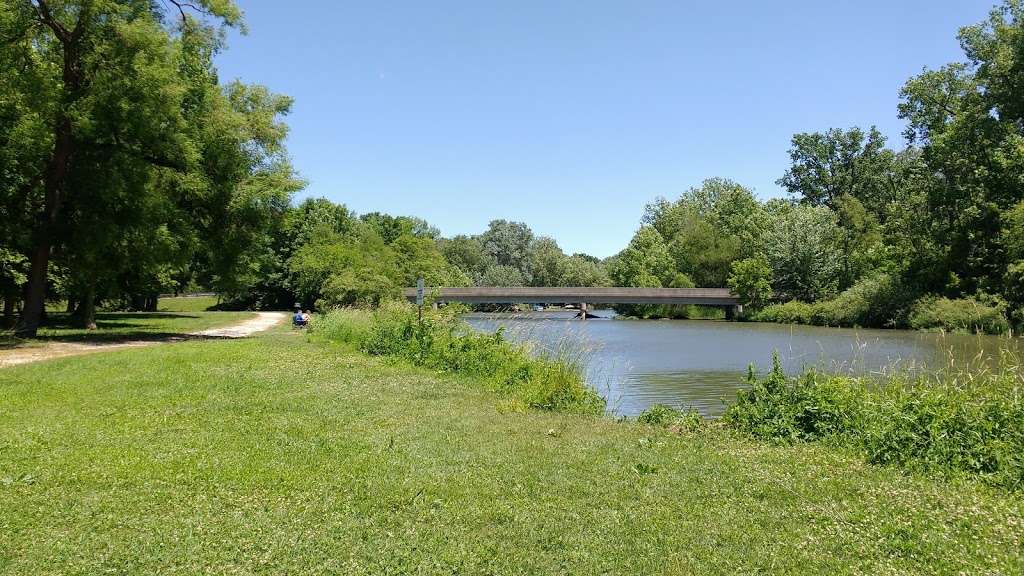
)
(959, 420)
(439, 340)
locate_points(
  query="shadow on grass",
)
(112, 328)
(8, 342)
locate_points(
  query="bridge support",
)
(583, 310)
(733, 312)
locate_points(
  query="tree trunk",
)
(85, 314)
(71, 305)
(9, 301)
(136, 302)
(56, 177)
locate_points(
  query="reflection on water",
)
(637, 363)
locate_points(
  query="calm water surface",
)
(637, 363)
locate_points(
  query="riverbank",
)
(278, 454)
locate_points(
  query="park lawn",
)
(279, 455)
(187, 303)
(117, 326)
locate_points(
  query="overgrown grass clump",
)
(443, 342)
(674, 419)
(949, 423)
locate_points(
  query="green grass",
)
(187, 303)
(115, 326)
(279, 455)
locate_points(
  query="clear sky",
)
(571, 115)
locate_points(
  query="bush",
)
(953, 424)
(878, 300)
(792, 312)
(972, 315)
(445, 343)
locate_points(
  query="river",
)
(702, 364)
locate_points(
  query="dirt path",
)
(262, 321)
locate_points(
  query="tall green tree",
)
(108, 93)
(508, 244)
(969, 121)
(547, 262)
(826, 166)
(802, 247)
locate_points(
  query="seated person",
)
(299, 320)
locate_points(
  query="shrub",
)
(792, 312)
(445, 343)
(876, 300)
(972, 315)
(952, 424)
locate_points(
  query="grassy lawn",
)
(115, 326)
(279, 455)
(186, 303)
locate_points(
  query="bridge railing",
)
(568, 294)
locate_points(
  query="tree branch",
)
(42, 9)
(181, 9)
(83, 17)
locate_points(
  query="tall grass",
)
(443, 342)
(954, 421)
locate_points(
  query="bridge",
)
(717, 297)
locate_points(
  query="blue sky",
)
(570, 116)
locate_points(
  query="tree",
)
(645, 262)
(114, 100)
(802, 248)
(708, 228)
(580, 270)
(467, 254)
(501, 275)
(547, 262)
(508, 244)
(751, 280)
(826, 166)
(1013, 238)
(969, 121)
(390, 228)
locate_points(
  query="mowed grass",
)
(187, 303)
(117, 326)
(278, 455)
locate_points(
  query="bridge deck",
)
(565, 295)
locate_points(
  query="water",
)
(701, 364)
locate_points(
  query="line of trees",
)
(323, 255)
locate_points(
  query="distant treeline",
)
(129, 170)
